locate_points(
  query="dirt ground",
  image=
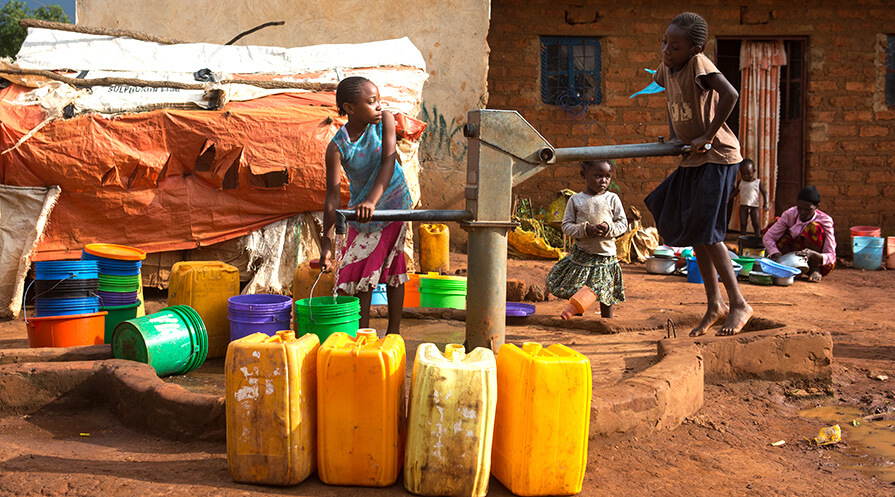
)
(725, 449)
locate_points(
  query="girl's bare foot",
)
(736, 320)
(814, 277)
(712, 316)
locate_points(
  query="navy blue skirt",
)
(690, 206)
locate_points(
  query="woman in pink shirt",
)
(806, 230)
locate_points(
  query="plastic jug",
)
(205, 286)
(434, 248)
(542, 419)
(271, 398)
(360, 409)
(580, 302)
(303, 280)
(453, 398)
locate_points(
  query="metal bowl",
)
(660, 265)
(786, 281)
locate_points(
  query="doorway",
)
(791, 144)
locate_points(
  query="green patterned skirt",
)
(601, 273)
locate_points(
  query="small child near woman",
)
(749, 188)
(365, 147)
(593, 218)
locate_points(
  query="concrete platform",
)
(643, 380)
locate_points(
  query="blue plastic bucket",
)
(380, 297)
(867, 251)
(259, 313)
(64, 307)
(693, 274)
(62, 270)
(114, 266)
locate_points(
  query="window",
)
(570, 71)
(890, 70)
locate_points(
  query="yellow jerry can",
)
(435, 248)
(271, 398)
(543, 414)
(451, 422)
(360, 409)
(205, 286)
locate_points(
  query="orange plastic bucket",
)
(412, 291)
(67, 331)
(890, 252)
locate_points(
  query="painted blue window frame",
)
(568, 64)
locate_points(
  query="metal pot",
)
(660, 265)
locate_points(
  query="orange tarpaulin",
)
(171, 179)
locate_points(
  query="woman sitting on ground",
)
(806, 230)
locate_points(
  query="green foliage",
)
(11, 34)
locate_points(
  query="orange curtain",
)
(760, 63)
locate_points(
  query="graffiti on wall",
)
(443, 139)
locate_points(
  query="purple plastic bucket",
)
(259, 313)
(113, 299)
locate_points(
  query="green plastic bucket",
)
(116, 315)
(113, 283)
(446, 293)
(172, 340)
(324, 316)
(746, 263)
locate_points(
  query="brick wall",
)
(850, 151)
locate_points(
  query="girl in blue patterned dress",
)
(365, 147)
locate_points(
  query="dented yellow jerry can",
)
(360, 409)
(451, 421)
(271, 401)
(542, 420)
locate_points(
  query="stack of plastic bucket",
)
(447, 292)
(65, 287)
(67, 310)
(119, 281)
(258, 313)
(324, 316)
(172, 341)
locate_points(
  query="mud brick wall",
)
(850, 151)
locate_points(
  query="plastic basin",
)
(66, 331)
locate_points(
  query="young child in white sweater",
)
(593, 218)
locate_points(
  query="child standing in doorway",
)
(593, 218)
(690, 205)
(365, 147)
(749, 186)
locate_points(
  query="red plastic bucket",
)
(865, 231)
(66, 331)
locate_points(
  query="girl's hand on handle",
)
(364, 211)
(698, 146)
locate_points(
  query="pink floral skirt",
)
(369, 259)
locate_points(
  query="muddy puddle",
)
(869, 445)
